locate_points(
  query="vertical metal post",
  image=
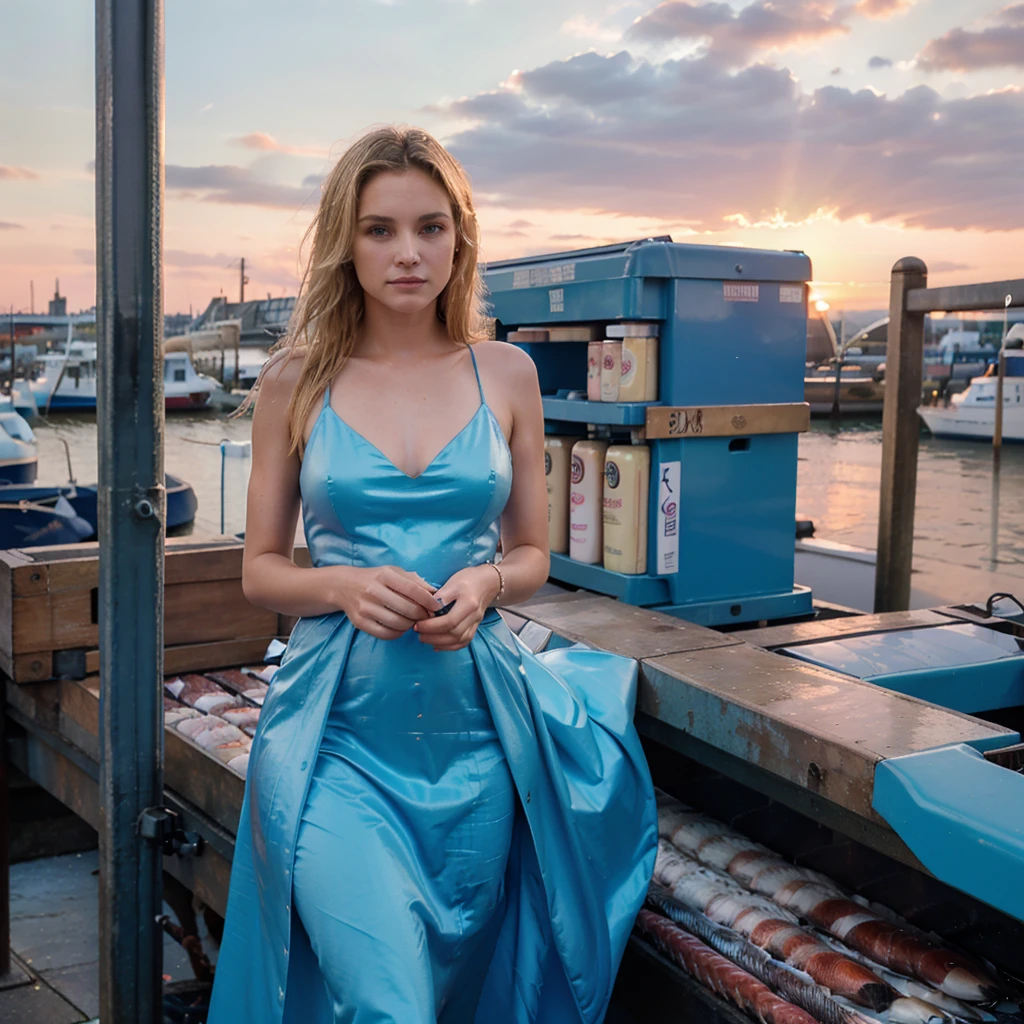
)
(130, 414)
(997, 432)
(904, 366)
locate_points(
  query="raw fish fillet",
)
(245, 718)
(240, 681)
(817, 899)
(768, 926)
(201, 693)
(717, 973)
(180, 714)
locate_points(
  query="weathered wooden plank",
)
(79, 716)
(794, 633)
(203, 656)
(818, 729)
(904, 368)
(58, 775)
(39, 702)
(203, 780)
(666, 421)
(194, 612)
(621, 628)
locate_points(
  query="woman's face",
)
(405, 240)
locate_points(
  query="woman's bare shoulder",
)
(280, 375)
(507, 362)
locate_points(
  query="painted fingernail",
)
(438, 600)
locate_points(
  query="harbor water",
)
(837, 483)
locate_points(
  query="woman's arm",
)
(383, 601)
(524, 523)
(526, 558)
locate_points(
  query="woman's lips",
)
(407, 282)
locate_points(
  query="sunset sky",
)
(859, 131)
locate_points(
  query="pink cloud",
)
(17, 173)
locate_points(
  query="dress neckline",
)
(387, 458)
(409, 476)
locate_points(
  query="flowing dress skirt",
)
(404, 838)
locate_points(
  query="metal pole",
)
(130, 416)
(904, 365)
(997, 431)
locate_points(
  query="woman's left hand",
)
(472, 590)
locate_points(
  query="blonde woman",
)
(437, 825)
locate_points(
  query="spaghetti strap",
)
(327, 396)
(476, 370)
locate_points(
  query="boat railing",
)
(910, 301)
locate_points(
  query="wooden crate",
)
(49, 604)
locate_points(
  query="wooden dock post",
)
(904, 366)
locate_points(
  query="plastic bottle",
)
(627, 473)
(585, 501)
(557, 468)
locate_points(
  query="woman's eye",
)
(434, 229)
(378, 231)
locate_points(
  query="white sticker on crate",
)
(556, 298)
(540, 277)
(734, 292)
(791, 293)
(668, 518)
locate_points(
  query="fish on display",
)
(717, 973)
(770, 927)
(200, 693)
(243, 682)
(788, 982)
(814, 897)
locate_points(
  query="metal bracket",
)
(164, 826)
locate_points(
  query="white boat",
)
(972, 414)
(18, 457)
(67, 380)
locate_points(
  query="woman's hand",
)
(473, 590)
(384, 601)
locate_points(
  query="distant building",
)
(59, 303)
(263, 320)
(176, 323)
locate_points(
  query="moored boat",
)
(67, 513)
(66, 380)
(972, 414)
(18, 458)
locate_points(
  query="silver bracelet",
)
(501, 580)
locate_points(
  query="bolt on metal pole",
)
(130, 414)
(904, 368)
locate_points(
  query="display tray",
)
(634, 589)
(573, 410)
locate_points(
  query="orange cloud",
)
(266, 143)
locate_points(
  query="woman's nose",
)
(408, 251)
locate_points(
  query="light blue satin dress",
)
(449, 837)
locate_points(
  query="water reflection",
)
(963, 515)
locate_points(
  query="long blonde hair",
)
(330, 302)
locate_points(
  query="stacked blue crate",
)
(723, 435)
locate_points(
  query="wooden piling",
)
(904, 364)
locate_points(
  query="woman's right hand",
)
(383, 601)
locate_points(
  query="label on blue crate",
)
(556, 297)
(734, 292)
(791, 293)
(539, 277)
(668, 518)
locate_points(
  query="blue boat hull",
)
(26, 528)
(66, 402)
(20, 471)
